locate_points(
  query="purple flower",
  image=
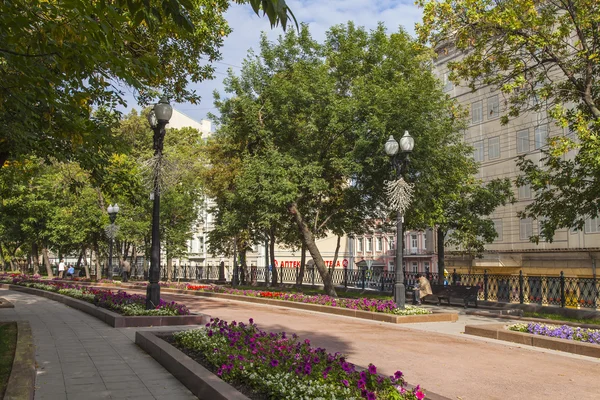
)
(372, 369)
(345, 382)
(274, 363)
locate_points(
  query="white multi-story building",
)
(496, 148)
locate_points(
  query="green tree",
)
(310, 121)
(543, 55)
(60, 60)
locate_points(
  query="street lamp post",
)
(399, 162)
(158, 117)
(112, 214)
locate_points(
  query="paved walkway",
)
(439, 356)
(79, 357)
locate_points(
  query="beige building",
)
(496, 148)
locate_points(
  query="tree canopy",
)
(544, 56)
(61, 60)
(300, 139)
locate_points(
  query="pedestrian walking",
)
(61, 268)
(125, 269)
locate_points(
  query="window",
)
(494, 147)
(201, 241)
(378, 243)
(414, 244)
(448, 85)
(359, 245)
(523, 141)
(478, 151)
(592, 225)
(525, 191)
(540, 136)
(391, 243)
(426, 264)
(525, 229)
(498, 228)
(415, 266)
(369, 246)
(390, 266)
(477, 112)
(493, 104)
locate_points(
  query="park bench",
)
(466, 293)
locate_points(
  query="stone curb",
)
(499, 332)
(21, 384)
(531, 319)
(374, 316)
(199, 380)
(112, 318)
(6, 304)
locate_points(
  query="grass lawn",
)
(8, 344)
(557, 317)
(316, 291)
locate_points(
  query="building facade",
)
(496, 149)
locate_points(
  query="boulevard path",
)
(438, 356)
(79, 357)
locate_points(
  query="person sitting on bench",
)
(70, 272)
(424, 287)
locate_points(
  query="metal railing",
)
(561, 290)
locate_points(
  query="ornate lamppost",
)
(158, 117)
(112, 214)
(400, 194)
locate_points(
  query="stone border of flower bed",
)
(21, 384)
(370, 315)
(499, 332)
(112, 318)
(6, 304)
(531, 319)
(199, 380)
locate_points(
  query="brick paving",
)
(438, 356)
(79, 357)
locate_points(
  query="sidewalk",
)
(79, 357)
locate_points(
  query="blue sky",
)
(319, 14)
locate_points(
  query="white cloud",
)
(319, 14)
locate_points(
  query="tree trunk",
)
(2, 262)
(309, 240)
(441, 234)
(46, 258)
(300, 277)
(97, 260)
(86, 267)
(35, 256)
(272, 251)
(337, 251)
(243, 266)
(169, 268)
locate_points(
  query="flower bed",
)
(275, 365)
(557, 331)
(120, 302)
(365, 304)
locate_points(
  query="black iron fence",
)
(561, 290)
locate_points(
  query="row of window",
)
(540, 137)
(493, 109)
(366, 244)
(592, 225)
